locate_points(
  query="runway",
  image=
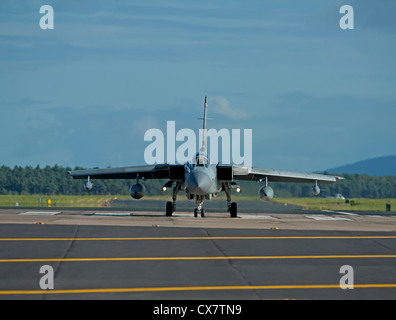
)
(288, 219)
(146, 256)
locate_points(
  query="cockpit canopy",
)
(201, 159)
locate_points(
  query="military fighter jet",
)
(200, 179)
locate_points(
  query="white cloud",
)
(142, 124)
(221, 106)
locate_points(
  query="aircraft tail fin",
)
(205, 112)
(204, 147)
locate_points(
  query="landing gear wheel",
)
(169, 209)
(202, 213)
(195, 213)
(233, 210)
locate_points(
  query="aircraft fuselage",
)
(201, 180)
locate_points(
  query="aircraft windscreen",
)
(201, 160)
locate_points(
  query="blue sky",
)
(84, 93)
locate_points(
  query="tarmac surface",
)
(143, 255)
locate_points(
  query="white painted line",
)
(178, 215)
(327, 218)
(256, 216)
(40, 213)
(243, 216)
(113, 214)
(341, 212)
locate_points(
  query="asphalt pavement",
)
(192, 263)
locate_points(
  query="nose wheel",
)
(199, 209)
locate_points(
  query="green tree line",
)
(54, 181)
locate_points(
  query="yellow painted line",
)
(199, 258)
(196, 238)
(202, 288)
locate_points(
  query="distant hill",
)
(382, 166)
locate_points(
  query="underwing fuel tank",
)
(88, 185)
(266, 193)
(316, 190)
(138, 191)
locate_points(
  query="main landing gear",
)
(171, 205)
(231, 206)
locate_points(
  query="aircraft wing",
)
(254, 174)
(176, 172)
(159, 171)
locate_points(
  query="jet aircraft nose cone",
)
(198, 182)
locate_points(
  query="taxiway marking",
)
(201, 288)
(113, 214)
(198, 238)
(341, 212)
(199, 258)
(327, 218)
(40, 213)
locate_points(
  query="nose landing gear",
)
(199, 201)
